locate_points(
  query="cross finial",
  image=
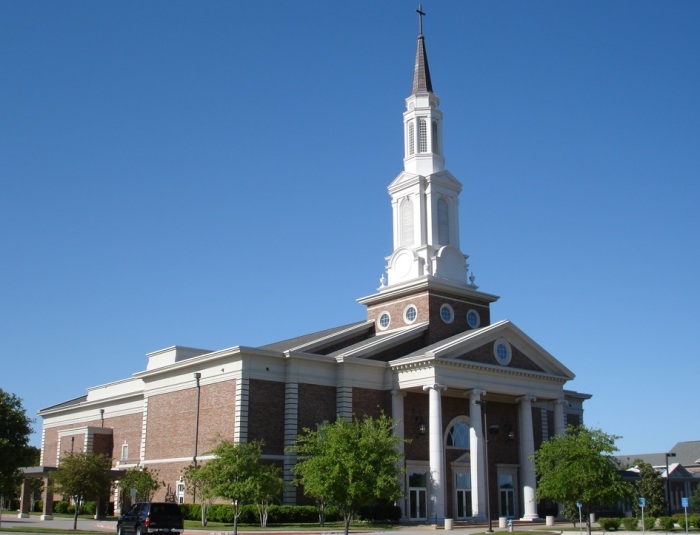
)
(421, 14)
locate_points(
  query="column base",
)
(530, 518)
(23, 515)
(46, 517)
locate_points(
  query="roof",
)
(687, 454)
(421, 73)
(70, 402)
(306, 339)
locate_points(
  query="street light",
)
(668, 484)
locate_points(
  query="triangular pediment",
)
(480, 346)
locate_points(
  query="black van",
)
(151, 517)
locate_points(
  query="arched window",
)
(422, 136)
(435, 145)
(443, 222)
(411, 139)
(458, 436)
(407, 222)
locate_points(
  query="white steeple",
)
(425, 197)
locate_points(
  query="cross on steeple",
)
(421, 14)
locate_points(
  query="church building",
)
(475, 397)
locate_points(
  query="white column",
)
(559, 420)
(437, 462)
(397, 415)
(527, 465)
(476, 456)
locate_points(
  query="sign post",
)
(580, 519)
(684, 503)
(642, 502)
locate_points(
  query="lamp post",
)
(668, 484)
(197, 377)
(486, 464)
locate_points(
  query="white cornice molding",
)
(382, 342)
(84, 405)
(425, 283)
(337, 336)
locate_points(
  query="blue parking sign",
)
(642, 502)
(684, 503)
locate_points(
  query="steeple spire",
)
(425, 196)
(421, 72)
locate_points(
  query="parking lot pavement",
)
(10, 520)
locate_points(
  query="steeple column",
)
(476, 456)
(527, 450)
(436, 452)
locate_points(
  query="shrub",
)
(649, 523)
(667, 523)
(630, 523)
(680, 520)
(609, 524)
(380, 512)
(61, 507)
(88, 508)
(694, 521)
(293, 514)
(191, 511)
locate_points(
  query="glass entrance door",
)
(506, 495)
(417, 497)
(463, 492)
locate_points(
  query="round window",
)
(502, 351)
(410, 314)
(384, 320)
(473, 318)
(446, 313)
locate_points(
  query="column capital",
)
(475, 394)
(559, 401)
(435, 386)
(527, 397)
(397, 392)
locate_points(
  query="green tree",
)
(82, 476)
(651, 487)
(15, 452)
(267, 485)
(695, 501)
(233, 471)
(578, 466)
(143, 481)
(200, 482)
(347, 464)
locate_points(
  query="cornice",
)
(425, 283)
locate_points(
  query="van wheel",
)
(120, 531)
(138, 531)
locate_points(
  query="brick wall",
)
(370, 402)
(217, 420)
(266, 415)
(170, 427)
(316, 405)
(428, 308)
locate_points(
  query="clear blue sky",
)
(214, 174)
